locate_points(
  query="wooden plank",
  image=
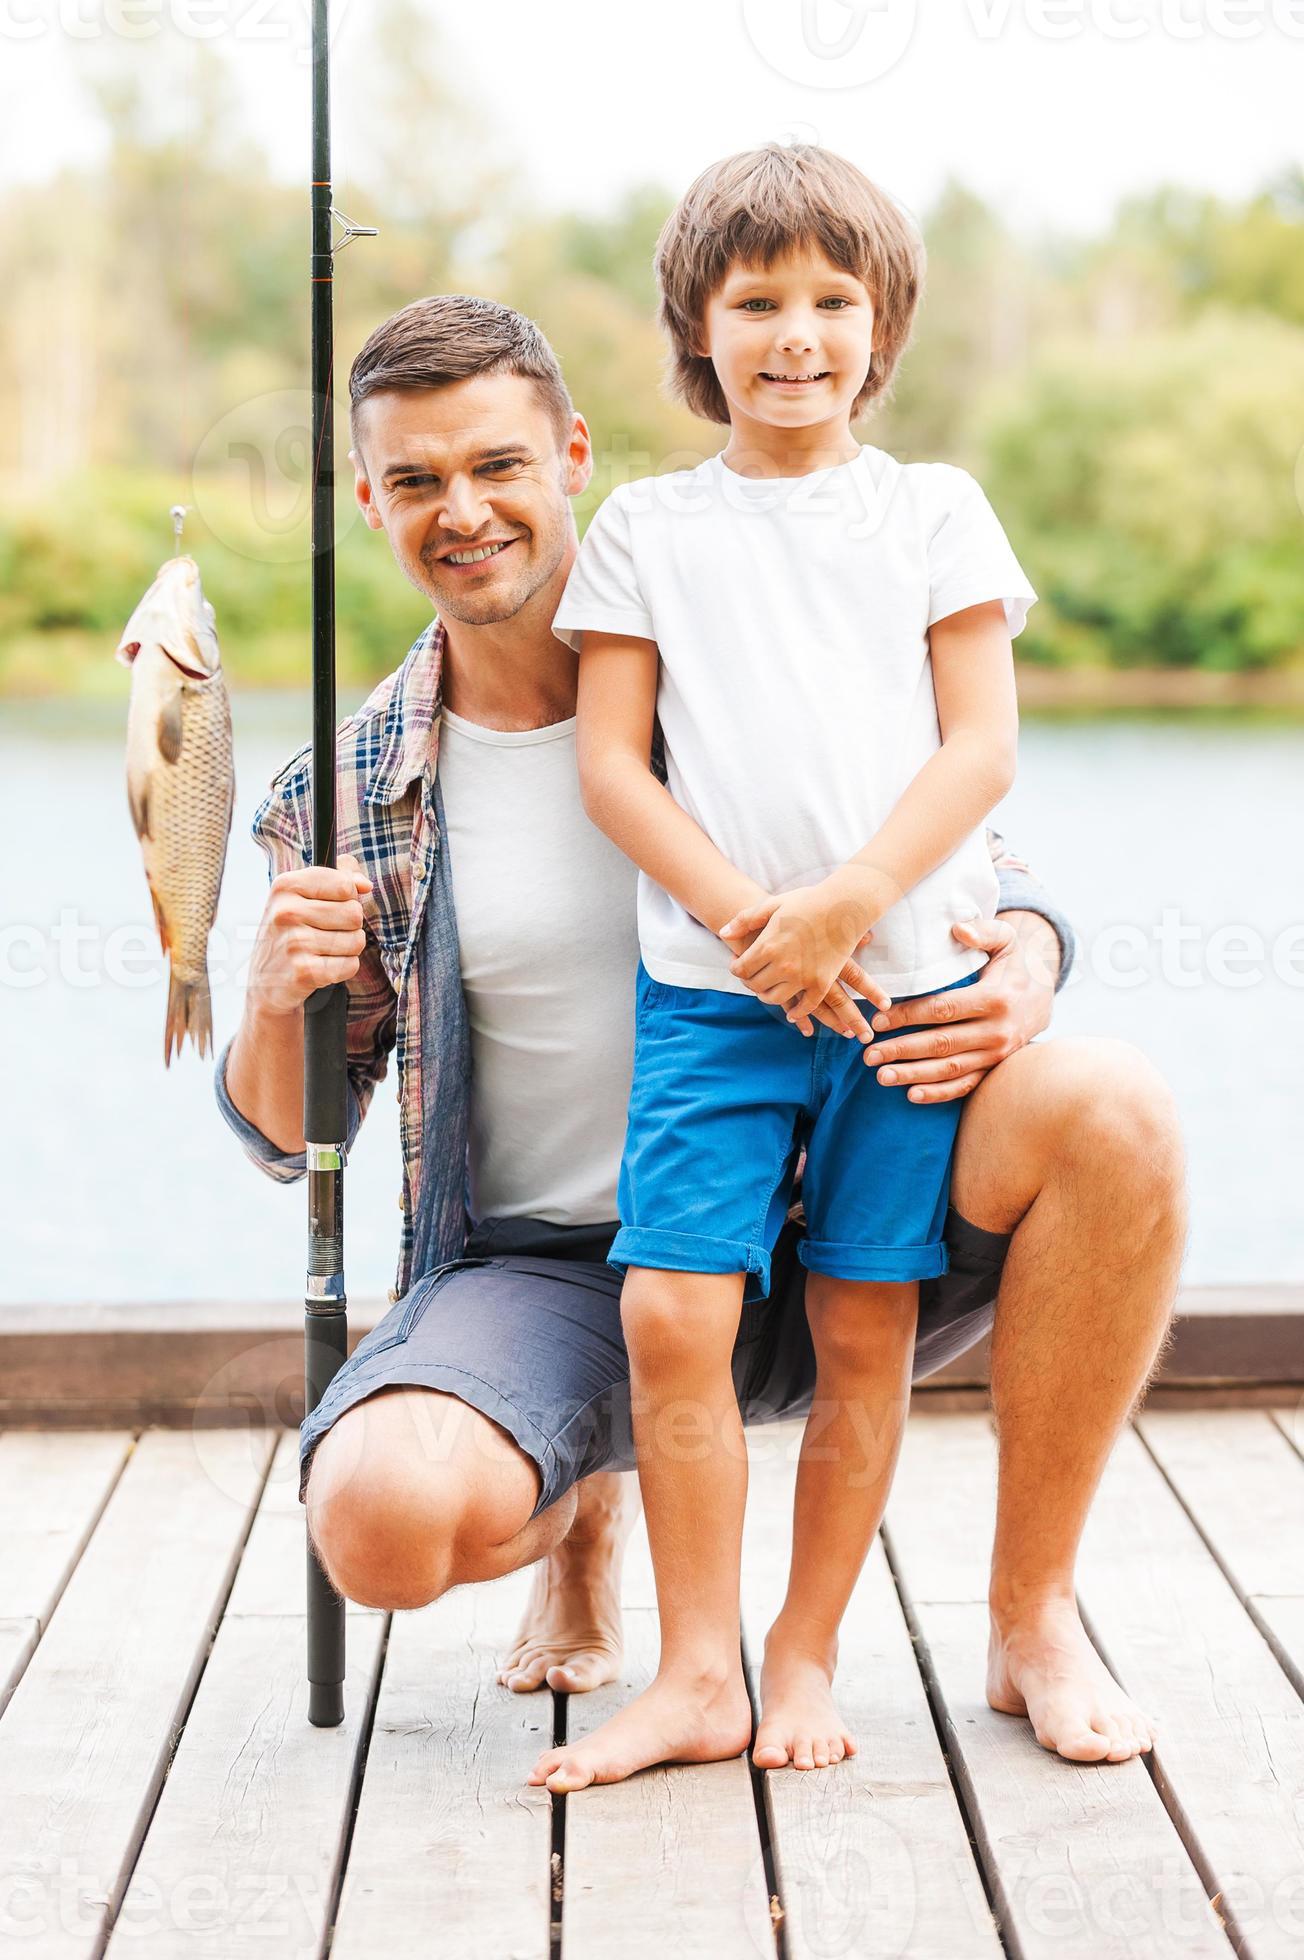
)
(451, 1849)
(871, 1854)
(247, 1841)
(52, 1490)
(671, 1857)
(244, 1850)
(1081, 1859)
(1230, 1758)
(85, 1740)
(272, 1571)
(226, 1361)
(1242, 1484)
(223, 1362)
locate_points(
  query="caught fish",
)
(180, 781)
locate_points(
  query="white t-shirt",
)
(549, 947)
(795, 697)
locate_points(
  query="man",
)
(487, 934)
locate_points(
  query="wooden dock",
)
(162, 1792)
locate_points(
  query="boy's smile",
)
(791, 345)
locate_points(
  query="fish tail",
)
(190, 1012)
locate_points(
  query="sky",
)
(1050, 109)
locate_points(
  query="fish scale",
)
(180, 782)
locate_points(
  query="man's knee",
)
(1084, 1105)
(409, 1492)
(1109, 1104)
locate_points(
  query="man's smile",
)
(466, 557)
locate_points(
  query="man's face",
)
(790, 342)
(470, 484)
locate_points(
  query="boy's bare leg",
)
(688, 1435)
(864, 1339)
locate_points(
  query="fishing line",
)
(185, 399)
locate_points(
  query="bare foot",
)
(678, 1719)
(1041, 1664)
(799, 1721)
(570, 1632)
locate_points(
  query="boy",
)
(824, 635)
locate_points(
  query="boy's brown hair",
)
(753, 209)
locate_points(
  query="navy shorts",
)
(726, 1094)
(525, 1328)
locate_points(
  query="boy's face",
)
(790, 342)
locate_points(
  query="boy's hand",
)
(799, 954)
(837, 1010)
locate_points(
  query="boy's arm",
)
(802, 933)
(616, 708)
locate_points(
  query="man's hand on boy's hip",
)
(801, 951)
(962, 1034)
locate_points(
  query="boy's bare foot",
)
(799, 1721)
(1041, 1664)
(570, 1632)
(680, 1718)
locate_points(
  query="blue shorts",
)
(726, 1092)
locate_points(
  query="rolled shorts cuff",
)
(479, 1394)
(887, 1262)
(688, 1252)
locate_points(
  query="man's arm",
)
(1021, 890)
(311, 935)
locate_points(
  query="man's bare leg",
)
(412, 1491)
(1073, 1146)
(570, 1634)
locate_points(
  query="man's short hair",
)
(451, 337)
(753, 209)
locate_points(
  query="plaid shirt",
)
(389, 815)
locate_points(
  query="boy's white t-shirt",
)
(795, 696)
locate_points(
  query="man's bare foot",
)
(678, 1719)
(799, 1721)
(570, 1632)
(1041, 1664)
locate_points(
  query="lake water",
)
(1175, 845)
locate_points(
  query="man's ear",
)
(578, 471)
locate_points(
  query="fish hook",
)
(178, 516)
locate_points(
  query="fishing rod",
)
(325, 1074)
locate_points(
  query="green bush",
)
(1151, 488)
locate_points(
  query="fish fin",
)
(190, 1012)
(169, 728)
(138, 803)
(160, 920)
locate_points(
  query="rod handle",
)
(325, 1067)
